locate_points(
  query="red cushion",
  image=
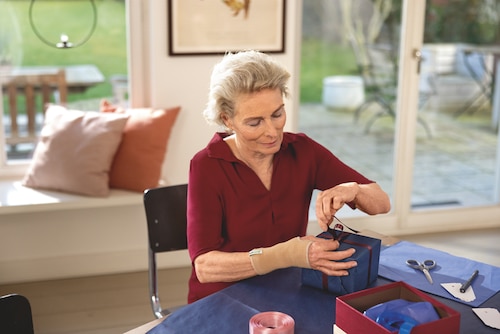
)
(138, 162)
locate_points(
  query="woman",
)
(249, 190)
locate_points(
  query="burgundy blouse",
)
(230, 210)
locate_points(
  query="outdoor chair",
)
(166, 220)
(379, 73)
(15, 315)
(28, 97)
(461, 74)
(378, 66)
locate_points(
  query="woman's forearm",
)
(372, 199)
(217, 266)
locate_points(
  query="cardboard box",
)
(350, 318)
(360, 277)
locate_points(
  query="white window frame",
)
(15, 169)
(9, 169)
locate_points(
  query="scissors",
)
(425, 267)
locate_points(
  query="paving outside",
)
(456, 166)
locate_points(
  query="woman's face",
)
(259, 121)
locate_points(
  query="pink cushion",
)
(75, 151)
(138, 161)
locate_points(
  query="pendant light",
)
(64, 42)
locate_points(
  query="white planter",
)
(343, 92)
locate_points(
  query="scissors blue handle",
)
(425, 267)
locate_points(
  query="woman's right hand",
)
(324, 256)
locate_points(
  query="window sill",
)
(14, 198)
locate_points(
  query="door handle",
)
(417, 54)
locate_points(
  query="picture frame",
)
(206, 27)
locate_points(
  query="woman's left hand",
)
(369, 198)
(331, 200)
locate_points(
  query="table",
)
(78, 77)
(229, 310)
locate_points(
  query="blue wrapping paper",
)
(449, 269)
(229, 311)
(231, 314)
(360, 277)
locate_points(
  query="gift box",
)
(349, 310)
(360, 277)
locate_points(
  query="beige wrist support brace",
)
(291, 253)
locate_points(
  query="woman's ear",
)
(226, 121)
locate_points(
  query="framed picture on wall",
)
(202, 27)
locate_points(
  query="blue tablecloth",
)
(449, 269)
(229, 311)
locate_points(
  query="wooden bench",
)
(24, 125)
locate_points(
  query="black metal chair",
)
(166, 219)
(15, 315)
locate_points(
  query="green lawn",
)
(320, 60)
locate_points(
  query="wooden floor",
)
(98, 305)
(118, 303)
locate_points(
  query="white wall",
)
(184, 81)
(79, 242)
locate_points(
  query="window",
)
(94, 70)
(336, 102)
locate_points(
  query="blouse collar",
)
(217, 148)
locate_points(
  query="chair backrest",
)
(36, 92)
(15, 315)
(166, 220)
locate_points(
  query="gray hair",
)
(244, 72)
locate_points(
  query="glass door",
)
(457, 165)
(349, 80)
